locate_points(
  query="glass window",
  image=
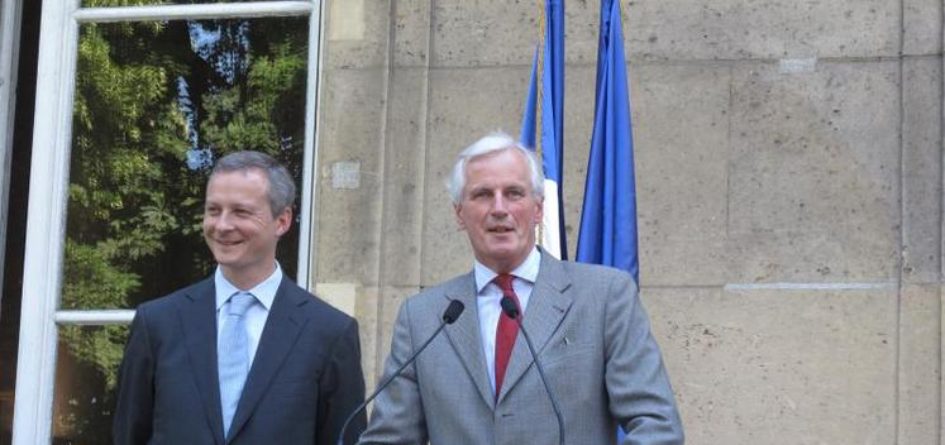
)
(86, 378)
(158, 95)
(155, 104)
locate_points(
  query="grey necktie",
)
(233, 358)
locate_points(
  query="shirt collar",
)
(265, 292)
(527, 271)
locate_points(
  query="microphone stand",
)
(511, 310)
(450, 315)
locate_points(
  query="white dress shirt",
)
(489, 296)
(256, 315)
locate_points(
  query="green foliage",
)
(96, 346)
(109, 3)
(251, 116)
(92, 275)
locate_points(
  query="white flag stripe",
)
(550, 232)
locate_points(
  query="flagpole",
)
(539, 80)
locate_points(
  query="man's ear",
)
(284, 221)
(457, 208)
(540, 211)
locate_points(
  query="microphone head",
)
(453, 311)
(509, 307)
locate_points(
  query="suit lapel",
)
(465, 338)
(283, 326)
(199, 326)
(548, 305)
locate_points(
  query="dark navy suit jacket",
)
(305, 379)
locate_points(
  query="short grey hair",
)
(491, 143)
(281, 186)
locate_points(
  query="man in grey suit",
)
(587, 324)
(245, 356)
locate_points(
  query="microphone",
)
(452, 312)
(511, 310)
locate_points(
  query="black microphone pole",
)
(511, 310)
(450, 315)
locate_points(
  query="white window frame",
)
(49, 180)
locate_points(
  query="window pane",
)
(112, 3)
(155, 103)
(86, 376)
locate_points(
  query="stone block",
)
(752, 29)
(356, 34)
(484, 33)
(347, 220)
(814, 174)
(681, 143)
(411, 24)
(370, 319)
(920, 366)
(343, 296)
(922, 27)
(500, 32)
(404, 178)
(578, 126)
(582, 29)
(922, 169)
(780, 366)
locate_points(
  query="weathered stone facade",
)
(789, 174)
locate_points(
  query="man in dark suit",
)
(478, 384)
(245, 356)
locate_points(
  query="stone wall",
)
(789, 174)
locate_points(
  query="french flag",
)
(548, 107)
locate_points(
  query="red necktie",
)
(505, 332)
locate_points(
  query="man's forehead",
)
(256, 176)
(489, 169)
(245, 181)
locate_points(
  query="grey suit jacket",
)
(593, 339)
(305, 379)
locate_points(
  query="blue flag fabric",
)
(608, 233)
(552, 122)
(527, 136)
(553, 237)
